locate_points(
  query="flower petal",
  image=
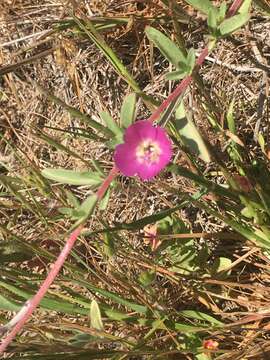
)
(165, 146)
(125, 159)
(147, 172)
(125, 155)
(140, 130)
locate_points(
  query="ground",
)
(43, 53)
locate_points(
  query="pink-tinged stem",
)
(34, 302)
(187, 80)
(103, 188)
(234, 7)
(178, 90)
(30, 306)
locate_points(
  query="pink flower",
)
(146, 151)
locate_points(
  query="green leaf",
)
(6, 304)
(108, 247)
(261, 142)
(116, 315)
(128, 110)
(119, 139)
(233, 23)
(95, 316)
(166, 46)
(72, 177)
(88, 205)
(245, 7)
(189, 134)
(192, 314)
(105, 200)
(73, 201)
(111, 124)
(146, 278)
(222, 12)
(47, 303)
(191, 60)
(230, 118)
(202, 357)
(247, 212)
(221, 264)
(176, 75)
(202, 5)
(212, 19)
(117, 298)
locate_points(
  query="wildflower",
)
(145, 152)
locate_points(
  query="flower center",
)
(148, 152)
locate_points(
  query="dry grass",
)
(72, 68)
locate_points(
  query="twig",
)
(15, 41)
(233, 67)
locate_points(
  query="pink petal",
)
(148, 172)
(140, 130)
(125, 159)
(125, 154)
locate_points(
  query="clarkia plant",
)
(146, 150)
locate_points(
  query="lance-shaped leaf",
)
(128, 110)
(71, 177)
(189, 134)
(111, 124)
(231, 24)
(166, 46)
(95, 316)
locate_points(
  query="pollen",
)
(148, 152)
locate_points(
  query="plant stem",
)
(35, 301)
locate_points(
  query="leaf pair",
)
(184, 64)
(218, 24)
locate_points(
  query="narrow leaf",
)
(191, 59)
(72, 177)
(189, 134)
(88, 205)
(231, 24)
(166, 46)
(128, 110)
(111, 124)
(176, 75)
(212, 19)
(244, 8)
(230, 118)
(95, 316)
(192, 314)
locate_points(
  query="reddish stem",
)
(179, 89)
(234, 7)
(34, 302)
(186, 81)
(103, 188)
